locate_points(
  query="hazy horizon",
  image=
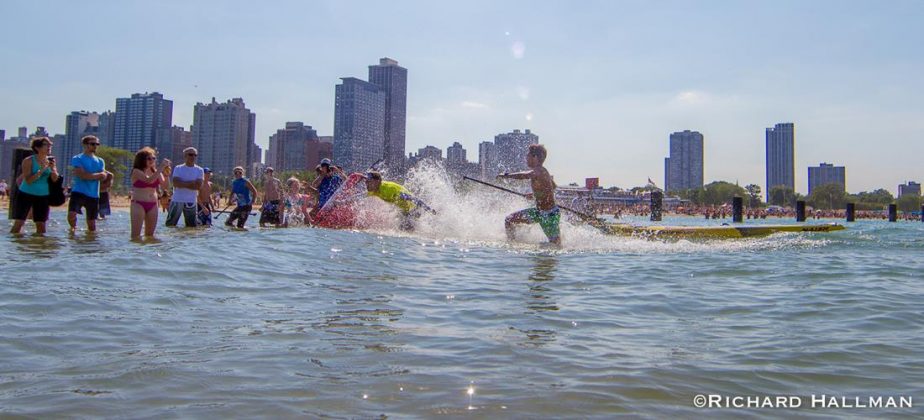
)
(603, 84)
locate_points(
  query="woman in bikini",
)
(146, 177)
(295, 204)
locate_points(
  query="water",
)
(453, 321)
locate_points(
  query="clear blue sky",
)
(602, 83)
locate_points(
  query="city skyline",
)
(842, 72)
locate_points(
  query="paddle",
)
(595, 221)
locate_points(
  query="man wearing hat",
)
(327, 183)
(204, 209)
(187, 180)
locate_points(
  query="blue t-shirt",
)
(329, 185)
(241, 192)
(90, 165)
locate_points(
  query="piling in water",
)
(737, 209)
(656, 200)
(851, 212)
(893, 212)
(800, 211)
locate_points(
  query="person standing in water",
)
(395, 193)
(272, 193)
(546, 212)
(33, 188)
(205, 208)
(243, 192)
(88, 171)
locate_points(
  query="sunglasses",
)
(191, 154)
(92, 144)
(152, 158)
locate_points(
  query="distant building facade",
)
(289, 147)
(138, 118)
(487, 160)
(781, 157)
(683, 169)
(106, 128)
(359, 124)
(77, 124)
(7, 153)
(512, 148)
(824, 174)
(911, 188)
(171, 142)
(392, 80)
(224, 135)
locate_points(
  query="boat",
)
(716, 232)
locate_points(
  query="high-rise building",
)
(23, 133)
(2, 135)
(781, 157)
(41, 132)
(78, 124)
(326, 139)
(487, 159)
(171, 142)
(392, 79)
(512, 148)
(824, 174)
(224, 135)
(683, 169)
(359, 124)
(138, 118)
(106, 131)
(289, 147)
(455, 154)
(911, 188)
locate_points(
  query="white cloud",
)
(518, 49)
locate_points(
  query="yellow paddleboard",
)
(716, 232)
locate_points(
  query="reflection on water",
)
(37, 246)
(542, 274)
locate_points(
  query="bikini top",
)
(142, 184)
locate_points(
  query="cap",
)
(269, 169)
(325, 161)
(207, 170)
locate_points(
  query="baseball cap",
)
(206, 170)
(325, 161)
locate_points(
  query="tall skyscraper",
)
(138, 118)
(683, 169)
(392, 79)
(487, 159)
(359, 124)
(106, 132)
(2, 135)
(289, 147)
(781, 157)
(224, 135)
(171, 142)
(512, 148)
(826, 173)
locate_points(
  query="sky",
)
(602, 83)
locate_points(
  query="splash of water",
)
(467, 213)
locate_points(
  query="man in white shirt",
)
(187, 179)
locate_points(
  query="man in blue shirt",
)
(88, 170)
(327, 182)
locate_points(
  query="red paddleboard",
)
(338, 211)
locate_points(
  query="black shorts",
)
(37, 203)
(79, 200)
(270, 212)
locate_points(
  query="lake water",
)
(453, 321)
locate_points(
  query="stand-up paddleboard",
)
(338, 211)
(717, 232)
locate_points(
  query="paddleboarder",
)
(395, 193)
(546, 213)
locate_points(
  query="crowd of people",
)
(725, 212)
(183, 191)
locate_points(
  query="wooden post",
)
(851, 212)
(800, 211)
(893, 212)
(737, 209)
(657, 198)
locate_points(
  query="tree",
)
(782, 196)
(118, 162)
(909, 203)
(753, 194)
(827, 197)
(872, 200)
(721, 192)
